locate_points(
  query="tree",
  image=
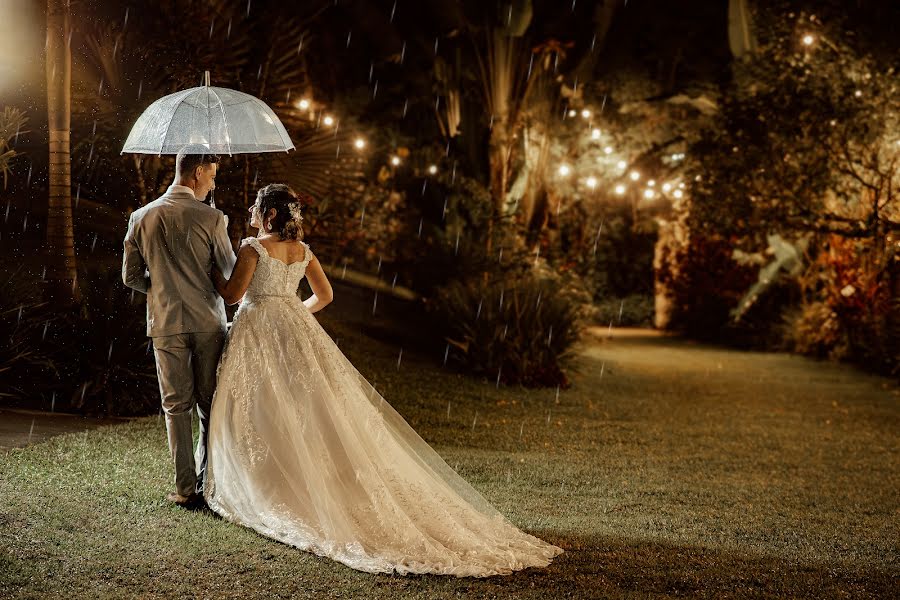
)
(62, 274)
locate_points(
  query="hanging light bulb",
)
(564, 170)
(678, 193)
(303, 104)
(595, 134)
(620, 189)
(432, 169)
(608, 150)
(328, 120)
(592, 182)
(359, 143)
(395, 160)
(634, 175)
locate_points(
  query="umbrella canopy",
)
(225, 121)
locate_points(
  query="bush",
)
(23, 358)
(517, 329)
(103, 360)
(635, 310)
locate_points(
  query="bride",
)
(302, 448)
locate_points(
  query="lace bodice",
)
(273, 277)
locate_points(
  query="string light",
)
(592, 182)
(678, 193)
(621, 165)
(359, 143)
(666, 187)
(808, 40)
(303, 104)
(607, 150)
(620, 189)
(328, 120)
(651, 183)
(586, 114)
(564, 170)
(648, 193)
(395, 160)
(595, 134)
(432, 169)
(634, 175)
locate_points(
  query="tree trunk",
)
(62, 274)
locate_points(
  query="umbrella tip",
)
(206, 77)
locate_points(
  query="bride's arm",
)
(232, 290)
(321, 288)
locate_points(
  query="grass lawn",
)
(668, 469)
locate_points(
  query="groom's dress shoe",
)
(185, 501)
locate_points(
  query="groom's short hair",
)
(192, 156)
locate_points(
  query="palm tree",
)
(62, 275)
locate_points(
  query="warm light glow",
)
(620, 189)
(678, 193)
(667, 187)
(303, 104)
(858, 93)
(595, 134)
(808, 40)
(651, 183)
(648, 193)
(681, 186)
(359, 143)
(395, 160)
(564, 170)
(432, 169)
(328, 120)
(621, 165)
(592, 182)
(586, 114)
(572, 113)
(634, 175)
(607, 150)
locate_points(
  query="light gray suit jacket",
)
(170, 248)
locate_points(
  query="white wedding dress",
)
(302, 449)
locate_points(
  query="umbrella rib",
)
(224, 119)
(169, 124)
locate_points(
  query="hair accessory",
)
(295, 209)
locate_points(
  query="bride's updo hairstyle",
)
(287, 204)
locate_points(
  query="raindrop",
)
(501, 300)
(424, 184)
(375, 302)
(394, 282)
(538, 303)
(474, 420)
(405, 106)
(115, 48)
(603, 104)
(444, 211)
(548, 417)
(371, 69)
(25, 223)
(593, 42)
(362, 216)
(100, 89)
(550, 335)
(94, 243)
(53, 402)
(403, 52)
(19, 320)
(300, 44)
(448, 409)
(497, 384)
(212, 25)
(435, 45)
(349, 33)
(44, 334)
(419, 234)
(399, 358)
(446, 354)
(30, 431)
(521, 429)
(393, 9)
(478, 313)
(337, 153)
(375, 91)
(125, 22)
(621, 308)
(505, 328)
(259, 71)
(530, 64)
(228, 33)
(248, 8)
(109, 354)
(28, 179)
(557, 393)
(140, 88)
(6, 216)
(456, 249)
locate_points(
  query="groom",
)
(171, 246)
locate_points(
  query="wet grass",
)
(669, 469)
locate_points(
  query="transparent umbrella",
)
(225, 121)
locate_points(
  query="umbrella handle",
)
(206, 78)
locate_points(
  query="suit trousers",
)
(186, 367)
